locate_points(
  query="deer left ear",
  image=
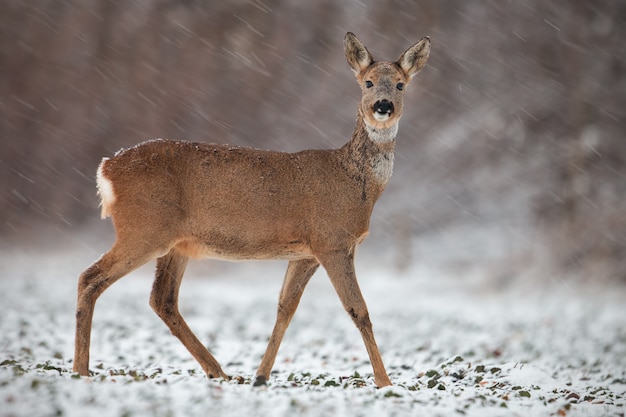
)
(414, 58)
(357, 55)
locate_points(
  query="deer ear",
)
(414, 58)
(357, 55)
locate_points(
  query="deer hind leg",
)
(340, 268)
(296, 278)
(113, 265)
(164, 301)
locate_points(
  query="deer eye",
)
(400, 86)
(369, 84)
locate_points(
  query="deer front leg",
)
(164, 301)
(297, 276)
(340, 268)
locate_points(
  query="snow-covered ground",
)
(452, 346)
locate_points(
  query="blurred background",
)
(511, 154)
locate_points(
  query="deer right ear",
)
(357, 55)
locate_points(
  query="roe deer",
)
(174, 200)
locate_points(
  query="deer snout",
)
(383, 107)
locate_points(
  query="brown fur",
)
(172, 200)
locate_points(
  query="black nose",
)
(383, 107)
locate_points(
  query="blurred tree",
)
(515, 130)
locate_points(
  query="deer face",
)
(383, 83)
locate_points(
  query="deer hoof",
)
(260, 381)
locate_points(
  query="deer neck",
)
(369, 156)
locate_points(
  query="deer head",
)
(383, 83)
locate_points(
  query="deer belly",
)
(237, 249)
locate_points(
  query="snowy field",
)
(452, 347)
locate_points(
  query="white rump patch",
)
(105, 189)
